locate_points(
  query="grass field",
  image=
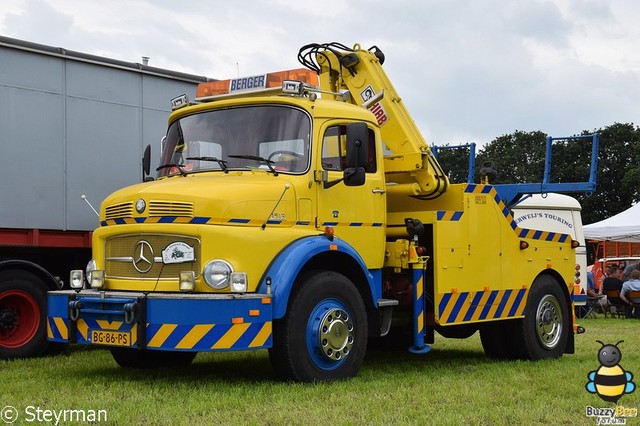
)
(453, 384)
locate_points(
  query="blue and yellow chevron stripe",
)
(533, 234)
(227, 221)
(197, 337)
(57, 328)
(452, 216)
(482, 305)
(192, 323)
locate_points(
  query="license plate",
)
(111, 338)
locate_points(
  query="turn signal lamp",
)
(187, 281)
(256, 83)
(575, 244)
(329, 232)
(97, 279)
(524, 245)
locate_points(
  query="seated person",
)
(613, 281)
(601, 300)
(629, 269)
(633, 284)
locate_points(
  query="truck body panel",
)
(562, 214)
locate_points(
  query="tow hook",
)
(130, 312)
(74, 309)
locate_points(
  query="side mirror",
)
(357, 154)
(146, 164)
(354, 176)
(357, 145)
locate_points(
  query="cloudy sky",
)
(468, 70)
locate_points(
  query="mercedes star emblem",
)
(143, 257)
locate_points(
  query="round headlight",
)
(91, 266)
(217, 274)
(140, 205)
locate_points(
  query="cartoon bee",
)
(610, 381)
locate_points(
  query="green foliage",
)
(618, 173)
(455, 162)
(519, 158)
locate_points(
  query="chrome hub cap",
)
(336, 334)
(549, 322)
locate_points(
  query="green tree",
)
(520, 158)
(618, 177)
(454, 160)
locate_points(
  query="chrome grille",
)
(121, 251)
(170, 208)
(118, 211)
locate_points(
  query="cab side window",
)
(334, 149)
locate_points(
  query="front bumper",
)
(161, 321)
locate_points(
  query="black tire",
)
(323, 335)
(544, 331)
(145, 359)
(23, 315)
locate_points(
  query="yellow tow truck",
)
(304, 213)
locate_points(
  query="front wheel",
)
(544, 331)
(323, 336)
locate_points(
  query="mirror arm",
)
(327, 185)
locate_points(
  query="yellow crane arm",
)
(360, 72)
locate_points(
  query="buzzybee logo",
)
(610, 381)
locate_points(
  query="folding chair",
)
(634, 298)
(613, 300)
(593, 306)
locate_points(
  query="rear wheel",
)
(323, 336)
(544, 331)
(22, 315)
(145, 359)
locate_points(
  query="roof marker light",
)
(257, 83)
(179, 102)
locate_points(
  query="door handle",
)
(378, 191)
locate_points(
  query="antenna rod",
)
(286, 187)
(84, 197)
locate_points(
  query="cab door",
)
(357, 212)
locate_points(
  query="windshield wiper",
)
(257, 158)
(221, 163)
(177, 166)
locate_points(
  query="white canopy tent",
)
(623, 227)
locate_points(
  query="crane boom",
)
(360, 72)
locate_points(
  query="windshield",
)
(273, 138)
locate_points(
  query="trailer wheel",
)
(23, 331)
(544, 331)
(145, 359)
(323, 336)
